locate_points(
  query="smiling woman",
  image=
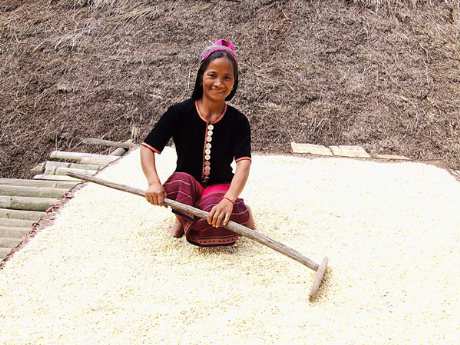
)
(218, 79)
(208, 135)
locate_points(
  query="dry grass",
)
(333, 72)
(412, 4)
(390, 5)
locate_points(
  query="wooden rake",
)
(232, 226)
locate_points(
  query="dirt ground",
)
(325, 72)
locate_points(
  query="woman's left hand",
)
(220, 214)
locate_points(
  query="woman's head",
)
(218, 72)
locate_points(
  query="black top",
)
(230, 138)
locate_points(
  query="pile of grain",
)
(107, 272)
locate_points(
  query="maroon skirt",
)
(184, 188)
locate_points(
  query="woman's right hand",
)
(155, 194)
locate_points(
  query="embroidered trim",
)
(209, 122)
(206, 165)
(177, 181)
(206, 158)
(243, 159)
(181, 192)
(151, 148)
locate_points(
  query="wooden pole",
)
(235, 227)
(232, 226)
(95, 141)
(39, 192)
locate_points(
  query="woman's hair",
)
(198, 89)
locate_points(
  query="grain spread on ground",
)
(108, 273)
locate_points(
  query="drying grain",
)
(107, 272)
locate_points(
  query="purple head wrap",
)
(219, 45)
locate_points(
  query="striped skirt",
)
(184, 188)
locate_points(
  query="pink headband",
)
(219, 45)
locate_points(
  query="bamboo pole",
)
(63, 171)
(95, 141)
(9, 242)
(8, 231)
(121, 151)
(100, 161)
(53, 164)
(83, 158)
(232, 226)
(38, 183)
(20, 214)
(118, 152)
(39, 192)
(103, 162)
(16, 222)
(56, 178)
(26, 203)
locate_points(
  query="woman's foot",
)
(177, 230)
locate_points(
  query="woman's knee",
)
(183, 187)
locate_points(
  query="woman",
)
(208, 135)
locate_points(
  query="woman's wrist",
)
(154, 182)
(230, 199)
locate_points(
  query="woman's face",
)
(218, 79)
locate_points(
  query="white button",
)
(210, 127)
(207, 157)
(210, 133)
(208, 139)
(208, 146)
(207, 151)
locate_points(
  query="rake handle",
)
(232, 226)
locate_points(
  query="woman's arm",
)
(239, 179)
(220, 214)
(155, 193)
